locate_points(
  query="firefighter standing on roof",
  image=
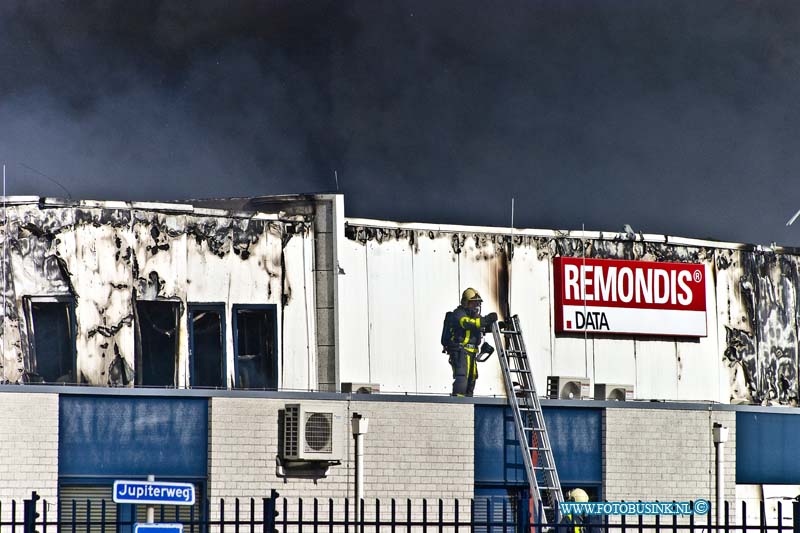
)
(467, 329)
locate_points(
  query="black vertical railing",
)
(272, 514)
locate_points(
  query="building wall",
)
(421, 448)
(107, 255)
(411, 274)
(412, 450)
(28, 448)
(665, 454)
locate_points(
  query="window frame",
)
(235, 308)
(32, 360)
(138, 354)
(216, 307)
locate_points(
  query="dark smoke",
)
(674, 117)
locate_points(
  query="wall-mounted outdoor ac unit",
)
(613, 391)
(312, 433)
(361, 388)
(568, 387)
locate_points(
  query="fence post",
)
(796, 516)
(29, 514)
(271, 512)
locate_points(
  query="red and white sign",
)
(629, 297)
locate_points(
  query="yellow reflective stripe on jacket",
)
(465, 322)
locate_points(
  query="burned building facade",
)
(272, 301)
(164, 295)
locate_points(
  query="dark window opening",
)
(156, 343)
(52, 338)
(256, 351)
(207, 345)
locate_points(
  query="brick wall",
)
(412, 450)
(660, 454)
(28, 447)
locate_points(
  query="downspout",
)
(360, 427)
(720, 438)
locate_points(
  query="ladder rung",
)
(544, 468)
(540, 430)
(519, 370)
(509, 331)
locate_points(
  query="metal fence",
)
(312, 515)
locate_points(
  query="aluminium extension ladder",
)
(531, 430)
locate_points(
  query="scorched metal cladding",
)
(79, 277)
(749, 353)
(760, 331)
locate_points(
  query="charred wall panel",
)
(102, 273)
(759, 317)
(483, 265)
(106, 256)
(749, 355)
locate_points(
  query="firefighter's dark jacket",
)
(467, 332)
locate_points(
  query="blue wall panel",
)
(497, 455)
(766, 448)
(103, 436)
(575, 434)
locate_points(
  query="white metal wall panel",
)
(353, 334)
(530, 299)
(254, 281)
(391, 315)
(656, 369)
(478, 268)
(299, 369)
(614, 362)
(572, 356)
(435, 292)
(209, 279)
(699, 362)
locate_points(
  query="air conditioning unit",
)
(312, 433)
(568, 388)
(361, 388)
(615, 391)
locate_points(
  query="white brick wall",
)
(660, 454)
(28, 447)
(412, 450)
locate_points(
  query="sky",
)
(676, 117)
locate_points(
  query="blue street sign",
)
(153, 492)
(157, 528)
